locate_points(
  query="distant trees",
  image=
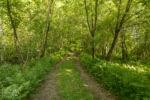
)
(106, 28)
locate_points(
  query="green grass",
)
(70, 85)
(126, 81)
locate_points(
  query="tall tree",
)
(120, 21)
(92, 25)
(16, 40)
(1, 35)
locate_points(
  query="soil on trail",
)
(98, 91)
(48, 90)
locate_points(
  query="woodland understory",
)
(110, 37)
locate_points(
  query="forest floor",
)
(69, 81)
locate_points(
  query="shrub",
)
(126, 81)
(16, 84)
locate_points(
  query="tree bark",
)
(45, 44)
(124, 49)
(145, 44)
(93, 47)
(15, 33)
(103, 50)
(112, 46)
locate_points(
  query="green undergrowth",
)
(126, 81)
(16, 84)
(70, 85)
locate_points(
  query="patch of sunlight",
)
(142, 69)
(136, 68)
(59, 74)
(85, 85)
(69, 70)
(68, 58)
(59, 4)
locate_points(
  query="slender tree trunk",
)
(92, 26)
(1, 35)
(145, 50)
(93, 47)
(46, 30)
(112, 46)
(124, 49)
(123, 52)
(45, 44)
(15, 33)
(104, 50)
(138, 46)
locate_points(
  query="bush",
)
(16, 84)
(126, 81)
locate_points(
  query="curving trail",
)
(49, 91)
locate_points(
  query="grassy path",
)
(70, 84)
(68, 81)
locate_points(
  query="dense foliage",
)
(130, 82)
(114, 30)
(16, 84)
(116, 27)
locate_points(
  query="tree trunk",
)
(104, 50)
(15, 33)
(93, 47)
(124, 49)
(92, 26)
(119, 26)
(112, 46)
(46, 30)
(145, 50)
(45, 44)
(1, 35)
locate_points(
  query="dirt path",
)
(48, 90)
(98, 91)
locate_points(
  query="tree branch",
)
(96, 7)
